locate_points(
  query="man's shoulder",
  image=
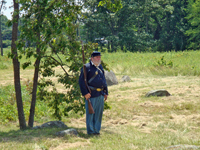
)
(101, 67)
(88, 64)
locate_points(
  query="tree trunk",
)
(147, 24)
(112, 46)
(158, 28)
(122, 47)
(1, 33)
(35, 83)
(138, 23)
(108, 46)
(167, 43)
(16, 66)
(101, 45)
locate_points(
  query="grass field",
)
(134, 121)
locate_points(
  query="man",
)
(99, 92)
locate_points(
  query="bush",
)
(6, 43)
(8, 106)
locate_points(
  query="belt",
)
(96, 89)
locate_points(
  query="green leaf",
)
(26, 64)
(9, 23)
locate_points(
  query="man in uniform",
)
(99, 92)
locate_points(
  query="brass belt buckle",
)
(98, 89)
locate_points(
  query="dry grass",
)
(138, 122)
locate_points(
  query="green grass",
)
(5, 62)
(8, 111)
(173, 63)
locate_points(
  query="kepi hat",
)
(95, 53)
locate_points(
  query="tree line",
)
(147, 25)
(6, 32)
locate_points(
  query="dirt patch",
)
(151, 104)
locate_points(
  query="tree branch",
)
(59, 64)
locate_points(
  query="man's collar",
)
(94, 64)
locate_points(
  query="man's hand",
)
(87, 96)
(105, 97)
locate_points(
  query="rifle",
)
(91, 110)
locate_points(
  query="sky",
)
(8, 10)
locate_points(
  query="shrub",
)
(8, 107)
(6, 43)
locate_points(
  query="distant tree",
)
(101, 21)
(140, 25)
(1, 6)
(193, 17)
(6, 30)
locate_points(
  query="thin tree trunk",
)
(1, 33)
(147, 24)
(35, 83)
(138, 23)
(16, 67)
(112, 46)
(108, 46)
(122, 47)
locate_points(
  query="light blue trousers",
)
(93, 121)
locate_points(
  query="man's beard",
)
(97, 62)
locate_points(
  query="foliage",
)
(7, 103)
(8, 111)
(6, 43)
(132, 25)
(193, 10)
(139, 25)
(162, 62)
(110, 5)
(6, 31)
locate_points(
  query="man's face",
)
(96, 60)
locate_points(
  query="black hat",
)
(95, 53)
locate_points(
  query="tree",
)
(193, 32)
(52, 25)
(101, 21)
(6, 31)
(16, 67)
(48, 24)
(1, 6)
(170, 25)
(144, 25)
(111, 5)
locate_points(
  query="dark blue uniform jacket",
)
(98, 82)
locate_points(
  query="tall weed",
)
(5, 62)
